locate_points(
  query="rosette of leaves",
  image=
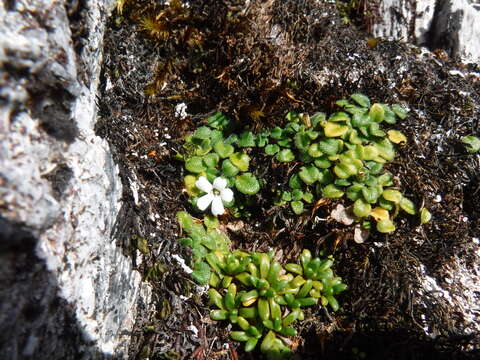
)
(263, 299)
(343, 155)
(214, 151)
(203, 239)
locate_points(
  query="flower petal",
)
(203, 184)
(219, 183)
(226, 195)
(217, 206)
(204, 201)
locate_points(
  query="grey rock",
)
(66, 289)
(451, 25)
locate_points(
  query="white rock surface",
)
(452, 25)
(59, 191)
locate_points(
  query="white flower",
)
(216, 194)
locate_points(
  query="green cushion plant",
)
(261, 298)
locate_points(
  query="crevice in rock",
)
(444, 29)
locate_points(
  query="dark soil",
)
(255, 61)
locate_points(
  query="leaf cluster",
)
(254, 292)
(214, 151)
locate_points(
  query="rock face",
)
(452, 25)
(66, 289)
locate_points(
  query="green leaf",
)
(271, 149)
(361, 208)
(240, 160)
(374, 130)
(211, 160)
(239, 336)
(392, 195)
(317, 118)
(385, 226)
(285, 155)
(229, 169)
(297, 207)
(425, 216)
(190, 186)
(308, 197)
(246, 139)
(387, 205)
(325, 177)
(342, 182)
(211, 222)
(400, 111)
(295, 182)
(284, 142)
(218, 121)
(408, 206)
(377, 113)
(314, 151)
(262, 139)
(247, 184)
(231, 140)
(371, 194)
(472, 143)
(322, 162)
(332, 191)
(374, 167)
(222, 149)
(389, 116)
(292, 117)
(195, 165)
(286, 196)
(201, 273)
(329, 146)
(333, 129)
(309, 174)
(203, 133)
(339, 116)
(302, 141)
(360, 120)
(354, 192)
(297, 194)
(276, 133)
(361, 100)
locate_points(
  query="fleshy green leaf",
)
(339, 116)
(295, 182)
(297, 207)
(309, 174)
(297, 194)
(329, 146)
(361, 100)
(276, 133)
(408, 206)
(203, 133)
(400, 111)
(361, 208)
(229, 169)
(302, 141)
(385, 226)
(271, 149)
(222, 149)
(195, 165)
(218, 121)
(246, 139)
(377, 113)
(472, 143)
(425, 216)
(332, 129)
(285, 155)
(201, 273)
(332, 191)
(211, 160)
(240, 160)
(247, 184)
